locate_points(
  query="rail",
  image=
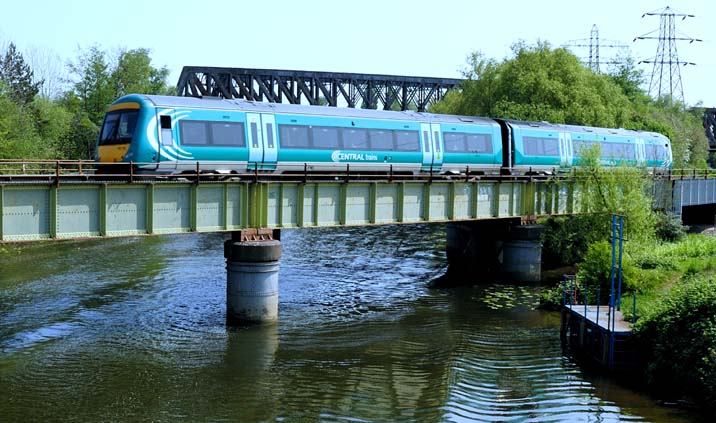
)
(69, 171)
(77, 171)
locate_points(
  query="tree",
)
(543, 84)
(629, 78)
(48, 71)
(135, 74)
(91, 84)
(538, 83)
(18, 77)
(18, 137)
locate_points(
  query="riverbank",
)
(674, 286)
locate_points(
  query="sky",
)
(393, 37)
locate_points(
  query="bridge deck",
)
(35, 211)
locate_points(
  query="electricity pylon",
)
(666, 73)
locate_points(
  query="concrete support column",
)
(484, 251)
(522, 254)
(252, 281)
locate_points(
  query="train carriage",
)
(182, 134)
(179, 134)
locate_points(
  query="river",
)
(134, 329)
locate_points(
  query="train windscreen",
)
(118, 127)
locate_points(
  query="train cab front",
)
(115, 138)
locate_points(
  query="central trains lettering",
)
(340, 156)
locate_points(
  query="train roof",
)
(263, 107)
(582, 129)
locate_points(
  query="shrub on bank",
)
(678, 342)
(595, 272)
(669, 228)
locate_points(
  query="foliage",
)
(679, 341)
(79, 142)
(134, 74)
(566, 238)
(595, 272)
(16, 75)
(669, 228)
(540, 83)
(52, 121)
(18, 137)
(621, 190)
(66, 125)
(92, 84)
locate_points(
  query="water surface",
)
(134, 329)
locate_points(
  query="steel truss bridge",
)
(315, 88)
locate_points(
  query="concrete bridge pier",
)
(490, 250)
(252, 263)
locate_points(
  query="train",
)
(174, 135)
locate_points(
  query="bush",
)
(595, 272)
(678, 342)
(566, 239)
(669, 227)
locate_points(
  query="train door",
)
(268, 126)
(437, 146)
(427, 142)
(508, 153)
(167, 138)
(565, 149)
(569, 149)
(640, 151)
(255, 141)
(263, 150)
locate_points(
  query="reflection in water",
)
(134, 329)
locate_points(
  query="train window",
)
(380, 139)
(269, 135)
(479, 143)
(436, 138)
(109, 128)
(407, 141)
(225, 133)
(194, 132)
(617, 150)
(460, 142)
(325, 137)
(540, 146)
(454, 142)
(355, 139)
(294, 136)
(426, 141)
(581, 147)
(655, 152)
(127, 122)
(118, 127)
(254, 135)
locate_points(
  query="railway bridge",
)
(484, 214)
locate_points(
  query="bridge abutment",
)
(251, 280)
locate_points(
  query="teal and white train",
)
(180, 134)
